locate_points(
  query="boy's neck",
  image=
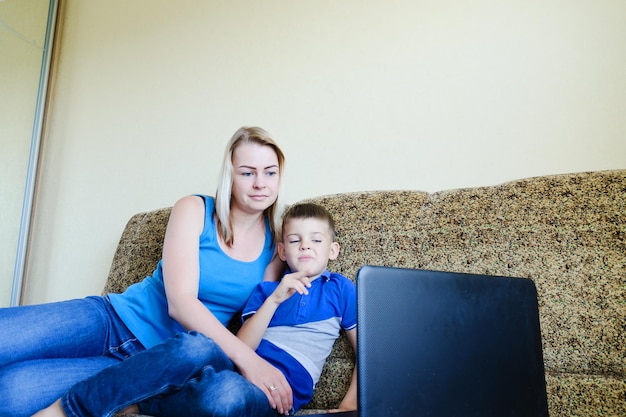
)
(317, 276)
(314, 277)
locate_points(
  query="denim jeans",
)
(185, 375)
(46, 349)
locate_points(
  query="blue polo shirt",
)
(304, 328)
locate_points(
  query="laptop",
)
(442, 344)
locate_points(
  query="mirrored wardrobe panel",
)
(26, 29)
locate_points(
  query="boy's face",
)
(306, 246)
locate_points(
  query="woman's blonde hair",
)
(223, 196)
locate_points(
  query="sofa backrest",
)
(139, 249)
(565, 232)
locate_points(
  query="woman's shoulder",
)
(191, 209)
(195, 201)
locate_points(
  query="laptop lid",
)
(448, 344)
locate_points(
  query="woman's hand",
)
(271, 381)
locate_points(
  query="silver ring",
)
(272, 388)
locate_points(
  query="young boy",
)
(294, 323)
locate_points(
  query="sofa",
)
(565, 232)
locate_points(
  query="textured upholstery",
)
(565, 232)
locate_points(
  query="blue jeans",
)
(46, 349)
(185, 375)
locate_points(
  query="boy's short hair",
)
(310, 211)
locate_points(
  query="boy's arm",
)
(252, 330)
(254, 327)
(349, 401)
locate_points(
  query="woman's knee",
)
(192, 341)
(198, 350)
(229, 394)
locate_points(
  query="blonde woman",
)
(216, 250)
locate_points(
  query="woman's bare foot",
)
(55, 410)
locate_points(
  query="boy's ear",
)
(334, 251)
(281, 251)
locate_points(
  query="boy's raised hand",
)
(296, 282)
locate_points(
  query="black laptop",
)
(441, 344)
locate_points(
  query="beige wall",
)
(362, 95)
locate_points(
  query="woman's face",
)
(256, 177)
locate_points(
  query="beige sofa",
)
(566, 232)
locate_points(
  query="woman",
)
(215, 251)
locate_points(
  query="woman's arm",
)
(275, 269)
(181, 275)
(181, 269)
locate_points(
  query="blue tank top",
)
(225, 285)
